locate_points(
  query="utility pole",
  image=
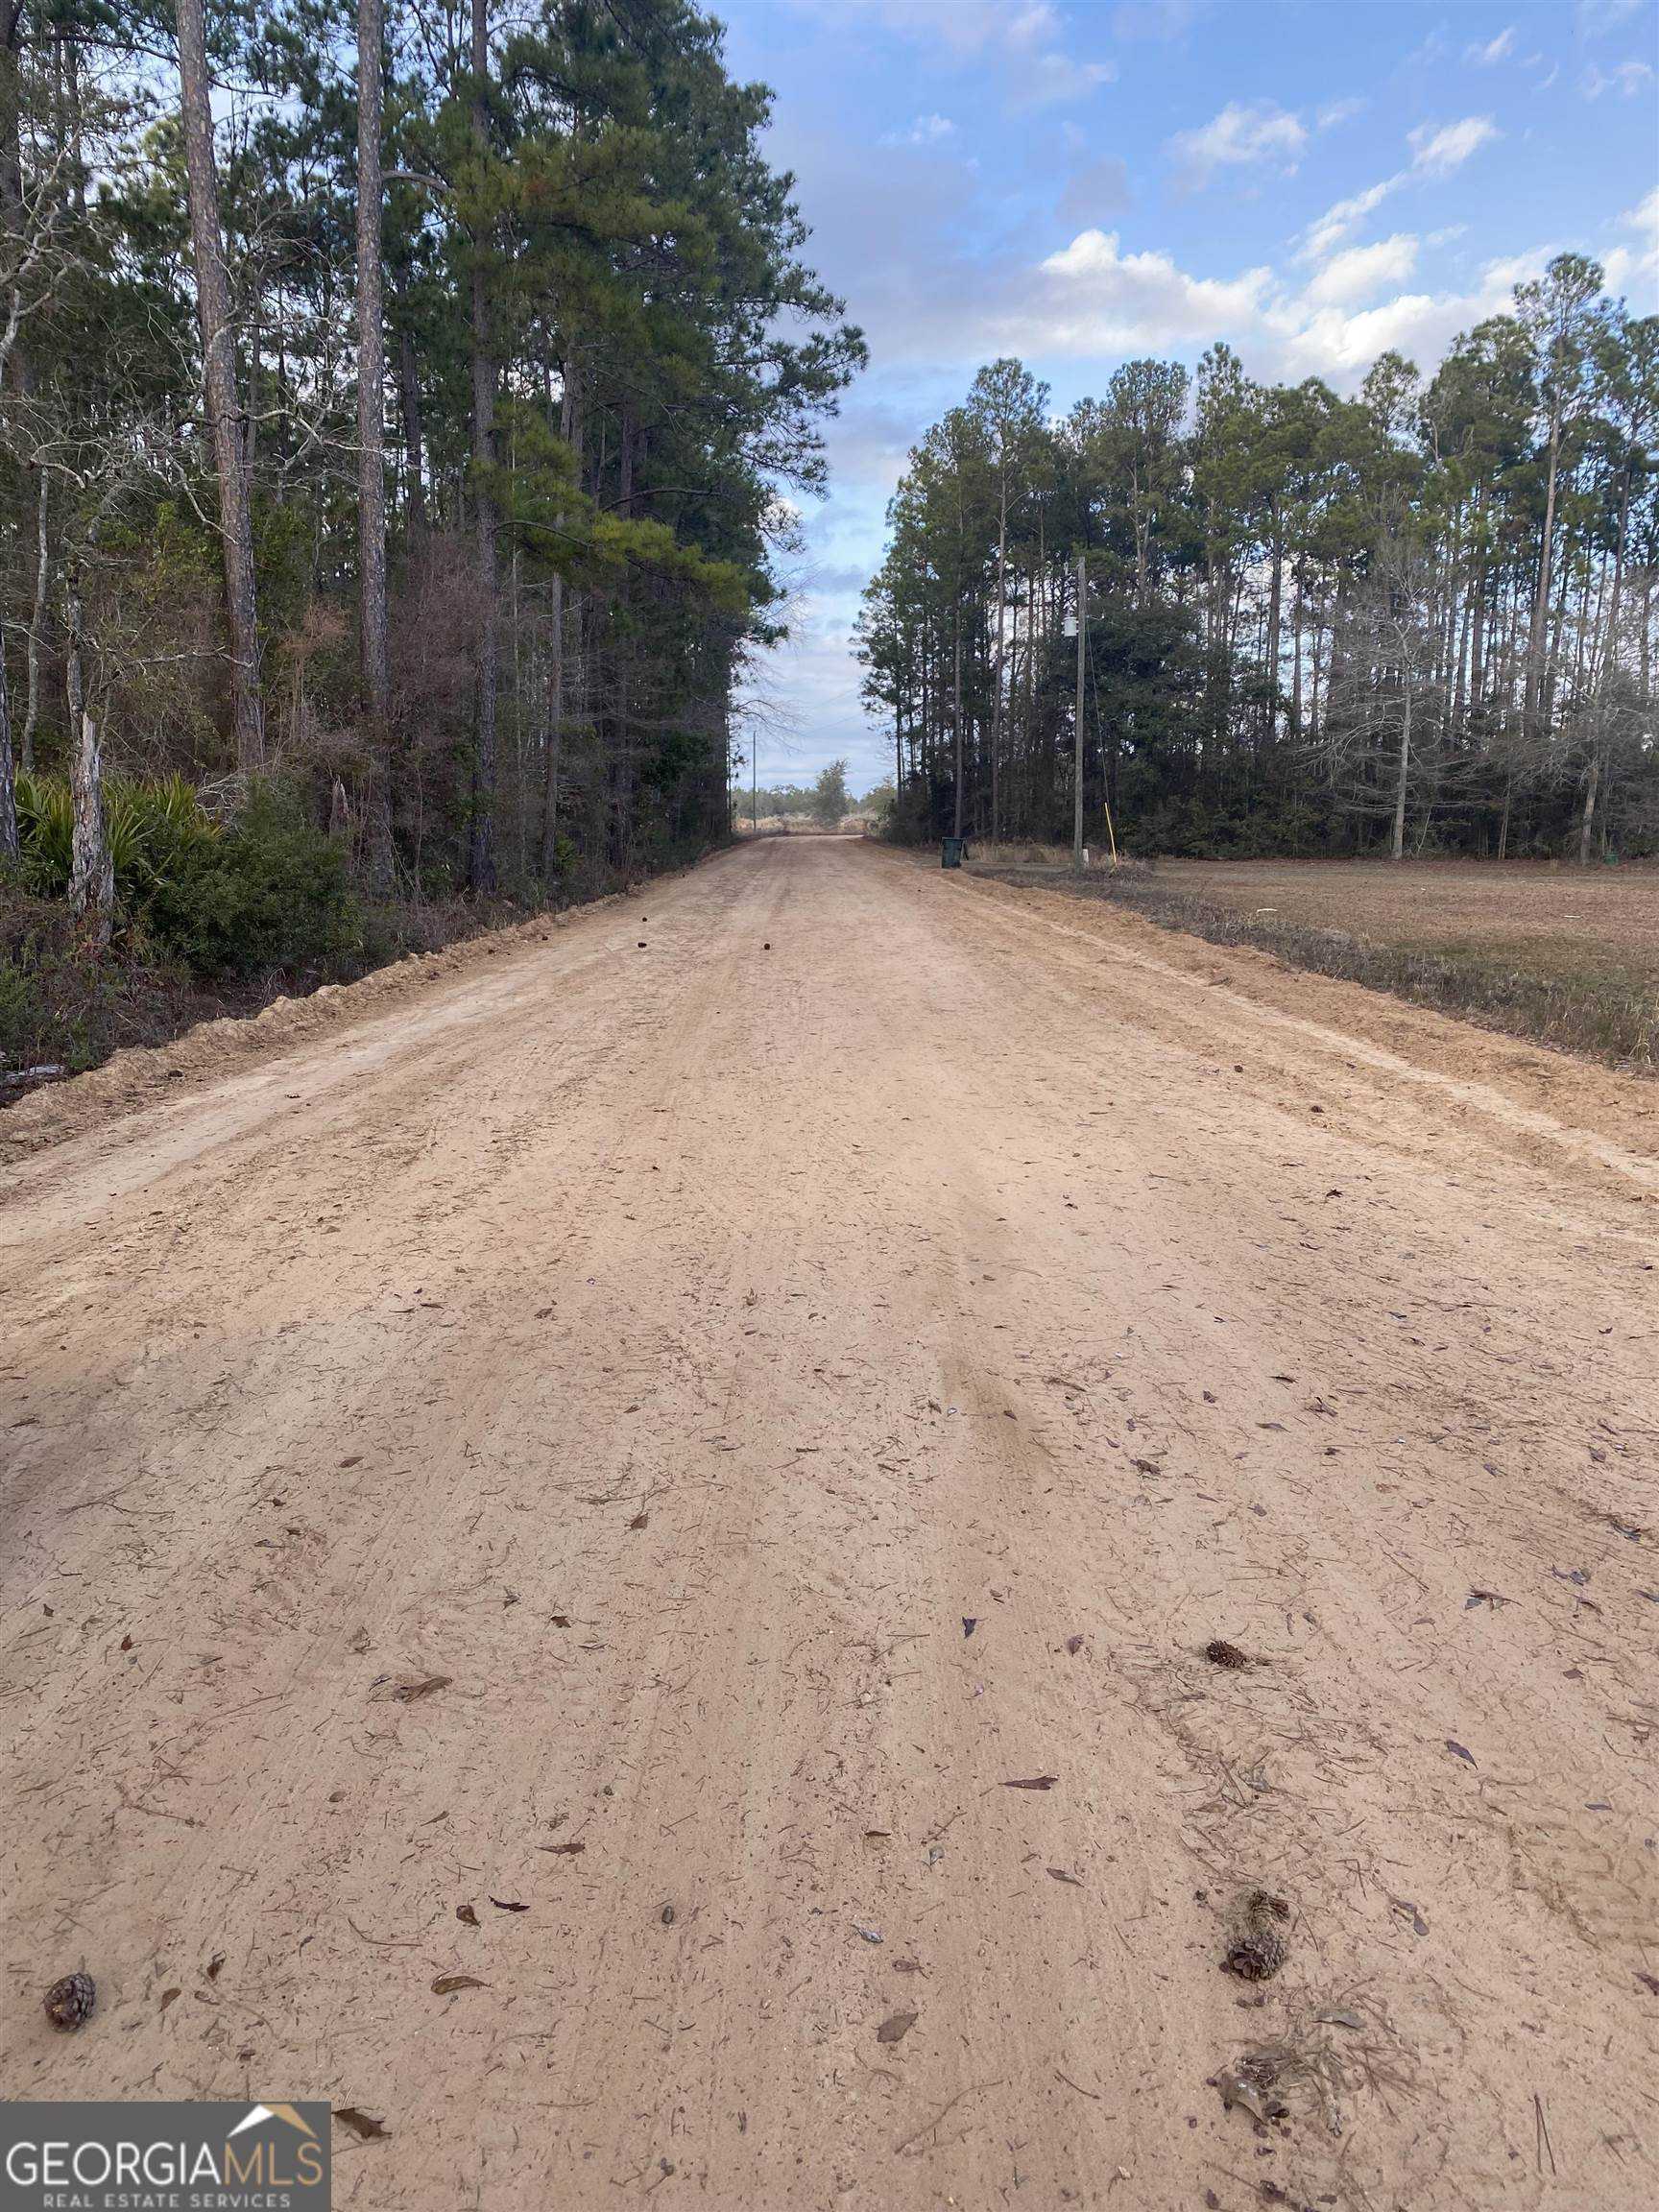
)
(754, 789)
(1077, 765)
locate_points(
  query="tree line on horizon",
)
(1416, 619)
(396, 398)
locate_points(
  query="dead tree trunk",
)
(1403, 776)
(225, 419)
(92, 871)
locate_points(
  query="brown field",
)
(1555, 920)
(1565, 957)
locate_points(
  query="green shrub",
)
(56, 999)
(271, 891)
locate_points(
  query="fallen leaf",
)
(1648, 1980)
(1059, 1874)
(1339, 2016)
(406, 1693)
(169, 1996)
(561, 1850)
(466, 1915)
(1073, 1645)
(507, 1905)
(365, 2129)
(969, 1624)
(1034, 1781)
(896, 2027)
(640, 1521)
(215, 1966)
(447, 1983)
(125, 1643)
(1457, 1750)
(560, 1620)
(355, 1460)
(1236, 2090)
(869, 1934)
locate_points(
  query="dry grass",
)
(1561, 956)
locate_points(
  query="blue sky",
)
(1313, 180)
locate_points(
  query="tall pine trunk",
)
(374, 647)
(7, 771)
(219, 385)
(996, 679)
(481, 866)
(553, 760)
(37, 616)
(1539, 627)
(409, 414)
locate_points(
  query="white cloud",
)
(925, 131)
(1598, 15)
(1358, 271)
(1093, 298)
(1242, 136)
(1494, 50)
(1636, 268)
(1023, 42)
(1033, 25)
(1334, 225)
(1324, 341)
(1438, 149)
(1051, 80)
(1336, 111)
(1626, 79)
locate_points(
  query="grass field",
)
(1564, 955)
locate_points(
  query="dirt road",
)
(622, 1474)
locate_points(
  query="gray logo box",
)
(98, 2156)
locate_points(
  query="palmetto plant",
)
(151, 827)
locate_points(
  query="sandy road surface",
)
(586, 1405)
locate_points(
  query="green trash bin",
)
(951, 850)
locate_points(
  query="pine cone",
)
(1258, 1948)
(69, 2002)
